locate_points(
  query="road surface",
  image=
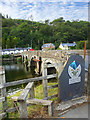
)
(79, 112)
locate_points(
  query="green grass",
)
(39, 91)
(32, 109)
(1, 106)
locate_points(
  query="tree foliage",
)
(21, 33)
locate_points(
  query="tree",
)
(80, 45)
(59, 20)
(23, 32)
(47, 21)
(8, 43)
(15, 39)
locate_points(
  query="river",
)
(14, 71)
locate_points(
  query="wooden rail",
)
(8, 84)
(52, 96)
(25, 92)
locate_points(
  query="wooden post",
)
(23, 109)
(44, 73)
(50, 109)
(3, 90)
(32, 93)
(84, 50)
(22, 100)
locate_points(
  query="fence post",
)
(44, 73)
(3, 90)
(32, 92)
(23, 109)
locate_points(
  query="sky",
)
(41, 10)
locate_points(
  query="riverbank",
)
(10, 57)
(7, 57)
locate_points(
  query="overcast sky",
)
(45, 9)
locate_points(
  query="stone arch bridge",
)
(56, 58)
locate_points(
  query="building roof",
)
(18, 48)
(8, 50)
(68, 44)
(48, 45)
(13, 49)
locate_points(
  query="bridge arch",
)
(54, 57)
(51, 61)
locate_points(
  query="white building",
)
(13, 51)
(66, 46)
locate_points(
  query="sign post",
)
(71, 80)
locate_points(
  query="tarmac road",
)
(79, 112)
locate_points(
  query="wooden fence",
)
(3, 96)
(44, 79)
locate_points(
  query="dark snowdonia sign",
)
(71, 80)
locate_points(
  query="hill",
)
(24, 33)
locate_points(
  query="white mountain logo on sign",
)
(74, 71)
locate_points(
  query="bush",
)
(59, 49)
(19, 59)
(88, 44)
(6, 56)
(50, 49)
(36, 48)
(80, 45)
(73, 47)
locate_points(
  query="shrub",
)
(19, 59)
(80, 45)
(6, 56)
(50, 49)
(59, 49)
(72, 47)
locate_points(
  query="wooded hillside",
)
(24, 33)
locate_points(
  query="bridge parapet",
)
(54, 54)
